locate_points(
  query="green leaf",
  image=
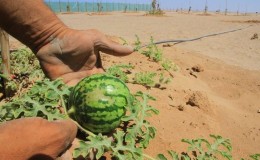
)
(119, 71)
(255, 156)
(137, 43)
(125, 151)
(161, 157)
(98, 143)
(145, 78)
(42, 100)
(174, 155)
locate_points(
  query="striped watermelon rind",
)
(98, 102)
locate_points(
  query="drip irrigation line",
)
(177, 41)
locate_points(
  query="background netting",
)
(85, 6)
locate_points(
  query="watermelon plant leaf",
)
(161, 157)
(128, 151)
(221, 142)
(255, 156)
(174, 155)
(168, 65)
(124, 41)
(153, 52)
(42, 100)
(96, 143)
(81, 150)
(145, 78)
(120, 71)
(204, 150)
(137, 43)
(142, 129)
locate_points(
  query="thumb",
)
(107, 46)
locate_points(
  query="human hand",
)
(35, 138)
(74, 54)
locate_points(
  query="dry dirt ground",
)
(222, 99)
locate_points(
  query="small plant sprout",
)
(137, 43)
(145, 78)
(168, 65)
(202, 149)
(153, 52)
(120, 71)
(124, 41)
(163, 79)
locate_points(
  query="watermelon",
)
(98, 102)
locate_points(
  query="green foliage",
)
(168, 65)
(124, 41)
(12, 86)
(153, 52)
(128, 144)
(158, 12)
(253, 157)
(137, 43)
(163, 79)
(120, 71)
(24, 62)
(42, 100)
(201, 149)
(145, 78)
(212, 149)
(25, 69)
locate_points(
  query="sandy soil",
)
(225, 94)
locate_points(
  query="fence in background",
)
(58, 6)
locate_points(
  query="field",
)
(216, 86)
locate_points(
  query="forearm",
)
(30, 21)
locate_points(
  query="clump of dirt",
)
(255, 36)
(198, 99)
(181, 108)
(197, 68)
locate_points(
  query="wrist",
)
(30, 21)
(36, 35)
(45, 35)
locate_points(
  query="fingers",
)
(68, 129)
(37, 138)
(107, 46)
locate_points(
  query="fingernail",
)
(130, 47)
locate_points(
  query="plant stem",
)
(83, 129)
(148, 157)
(67, 113)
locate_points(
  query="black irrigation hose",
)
(176, 41)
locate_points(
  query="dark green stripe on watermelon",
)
(99, 102)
